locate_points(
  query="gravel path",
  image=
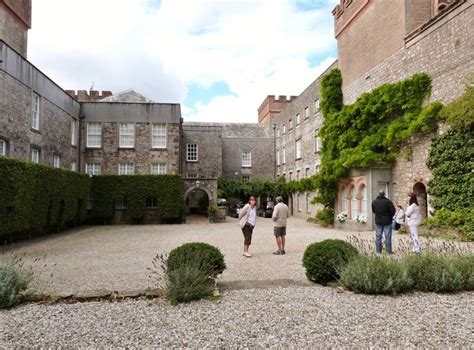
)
(115, 258)
(294, 317)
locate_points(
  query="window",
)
(298, 119)
(3, 148)
(354, 209)
(126, 169)
(297, 175)
(384, 186)
(121, 203)
(74, 128)
(73, 166)
(278, 157)
(284, 156)
(158, 168)
(191, 175)
(309, 208)
(306, 112)
(56, 161)
(246, 159)
(245, 178)
(306, 172)
(158, 138)
(299, 199)
(317, 168)
(278, 132)
(316, 106)
(317, 142)
(127, 135)
(151, 202)
(192, 152)
(35, 112)
(90, 202)
(290, 124)
(363, 206)
(343, 200)
(93, 168)
(94, 135)
(284, 129)
(35, 155)
(298, 148)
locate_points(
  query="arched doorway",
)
(420, 190)
(197, 201)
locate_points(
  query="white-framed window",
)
(284, 129)
(306, 112)
(3, 148)
(192, 176)
(384, 186)
(192, 152)
(35, 155)
(121, 203)
(246, 159)
(278, 132)
(151, 202)
(94, 135)
(284, 156)
(56, 161)
(73, 166)
(317, 143)
(298, 119)
(354, 209)
(278, 157)
(74, 128)
(158, 136)
(343, 200)
(316, 106)
(127, 135)
(298, 146)
(290, 124)
(126, 169)
(245, 178)
(35, 111)
(93, 168)
(363, 206)
(158, 168)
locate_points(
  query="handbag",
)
(397, 226)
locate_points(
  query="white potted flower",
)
(342, 216)
(362, 218)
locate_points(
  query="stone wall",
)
(15, 20)
(52, 138)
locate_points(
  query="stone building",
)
(15, 20)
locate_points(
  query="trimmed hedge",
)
(135, 189)
(200, 255)
(37, 198)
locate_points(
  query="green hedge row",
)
(135, 189)
(37, 198)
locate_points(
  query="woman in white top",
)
(413, 221)
(247, 221)
(398, 218)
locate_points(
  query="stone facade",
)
(19, 83)
(84, 96)
(15, 20)
(271, 106)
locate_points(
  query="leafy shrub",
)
(375, 275)
(12, 281)
(465, 265)
(323, 260)
(433, 273)
(325, 217)
(200, 255)
(188, 282)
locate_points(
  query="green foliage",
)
(135, 189)
(331, 92)
(200, 255)
(188, 282)
(230, 188)
(375, 275)
(323, 260)
(434, 273)
(465, 265)
(460, 113)
(325, 217)
(38, 198)
(12, 281)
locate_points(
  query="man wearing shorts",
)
(280, 214)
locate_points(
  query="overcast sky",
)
(218, 58)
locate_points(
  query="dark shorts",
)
(279, 231)
(247, 231)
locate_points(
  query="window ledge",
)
(37, 131)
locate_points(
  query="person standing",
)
(413, 221)
(398, 218)
(247, 221)
(279, 216)
(384, 211)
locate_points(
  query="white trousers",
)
(415, 238)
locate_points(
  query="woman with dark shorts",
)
(247, 221)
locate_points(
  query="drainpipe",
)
(82, 117)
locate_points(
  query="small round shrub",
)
(187, 283)
(12, 282)
(375, 275)
(325, 217)
(201, 255)
(322, 260)
(434, 273)
(465, 265)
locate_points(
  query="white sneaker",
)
(247, 255)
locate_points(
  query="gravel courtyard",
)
(252, 312)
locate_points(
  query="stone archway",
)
(420, 190)
(197, 200)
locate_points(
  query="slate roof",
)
(129, 95)
(236, 130)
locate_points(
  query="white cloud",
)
(257, 47)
